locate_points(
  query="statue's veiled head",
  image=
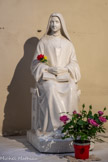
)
(56, 22)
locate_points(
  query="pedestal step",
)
(49, 144)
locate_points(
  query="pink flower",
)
(74, 112)
(64, 118)
(92, 122)
(102, 119)
(100, 113)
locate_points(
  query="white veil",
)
(63, 26)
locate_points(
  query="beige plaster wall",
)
(87, 23)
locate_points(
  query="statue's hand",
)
(60, 70)
(57, 70)
(52, 70)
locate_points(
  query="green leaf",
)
(102, 131)
(107, 117)
(83, 105)
(90, 107)
(96, 117)
(104, 108)
(90, 114)
(81, 122)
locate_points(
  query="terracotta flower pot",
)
(81, 150)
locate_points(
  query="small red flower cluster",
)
(40, 57)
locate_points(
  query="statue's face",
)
(55, 24)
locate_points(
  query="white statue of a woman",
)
(57, 80)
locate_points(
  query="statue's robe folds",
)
(57, 94)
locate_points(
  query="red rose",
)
(40, 57)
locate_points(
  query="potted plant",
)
(83, 128)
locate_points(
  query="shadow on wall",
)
(17, 111)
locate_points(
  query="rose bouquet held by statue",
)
(42, 58)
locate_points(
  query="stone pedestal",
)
(46, 144)
(49, 144)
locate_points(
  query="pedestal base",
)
(49, 144)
